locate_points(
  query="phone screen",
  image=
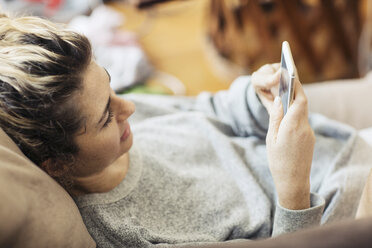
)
(287, 75)
(284, 82)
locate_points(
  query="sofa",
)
(36, 212)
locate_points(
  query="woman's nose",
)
(124, 109)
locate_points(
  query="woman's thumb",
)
(276, 116)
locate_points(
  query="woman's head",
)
(106, 136)
(41, 73)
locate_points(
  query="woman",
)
(196, 169)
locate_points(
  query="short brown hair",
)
(41, 70)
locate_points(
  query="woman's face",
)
(106, 134)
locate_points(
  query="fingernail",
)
(277, 101)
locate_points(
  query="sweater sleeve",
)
(287, 220)
(239, 107)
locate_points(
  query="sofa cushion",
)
(35, 211)
(347, 100)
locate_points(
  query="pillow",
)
(35, 211)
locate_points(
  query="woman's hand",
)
(290, 145)
(265, 82)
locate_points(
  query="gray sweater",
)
(198, 173)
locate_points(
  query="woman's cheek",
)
(113, 137)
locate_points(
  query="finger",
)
(276, 116)
(276, 66)
(267, 102)
(299, 104)
(265, 81)
(265, 68)
(298, 90)
(267, 95)
(268, 68)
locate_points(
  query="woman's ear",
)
(55, 168)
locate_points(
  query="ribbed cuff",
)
(287, 220)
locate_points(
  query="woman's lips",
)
(126, 133)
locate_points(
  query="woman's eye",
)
(109, 119)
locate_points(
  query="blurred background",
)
(183, 47)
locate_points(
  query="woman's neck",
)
(104, 181)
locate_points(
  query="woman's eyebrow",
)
(105, 111)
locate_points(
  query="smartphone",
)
(287, 75)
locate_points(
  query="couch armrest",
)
(348, 101)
